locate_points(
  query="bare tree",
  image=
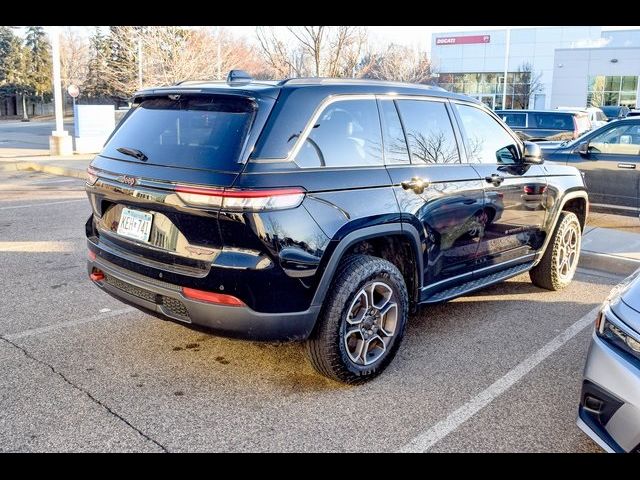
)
(526, 85)
(317, 51)
(74, 57)
(400, 63)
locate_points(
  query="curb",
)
(50, 169)
(605, 262)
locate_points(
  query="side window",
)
(487, 141)
(429, 132)
(347, 133)
(395, 145)
(620, 140)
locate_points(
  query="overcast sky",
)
(414, 36)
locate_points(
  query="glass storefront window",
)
(629, 84)
(612, 90)
(612, 84)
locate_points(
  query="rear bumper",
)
(167, 300)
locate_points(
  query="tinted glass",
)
(395, 145)
(205, 132)
(621, 140)
(346, 134)
(514, 119)
(551, 120)
(486, 140)
(611, 111)
(429, 132)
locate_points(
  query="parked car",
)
(541, 125)
(596, 116)
(609, 158)
(609, 409)
(633, 113)
(615, 112)
(321, 210)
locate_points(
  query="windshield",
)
(203, 132)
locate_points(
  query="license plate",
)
(135, 224)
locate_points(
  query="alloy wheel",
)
(372, 319)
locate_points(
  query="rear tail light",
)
(92, 176)
(241, 200)
(211, 297)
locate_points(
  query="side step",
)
(478, 283)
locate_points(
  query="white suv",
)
(597, 116)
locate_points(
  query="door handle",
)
(495, 179)
(416, 184)
(629, 166)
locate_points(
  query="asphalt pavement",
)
(27, 138)
(499, 370)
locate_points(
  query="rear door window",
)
(429, 131)
(395, 145)
(347, 134)
(201, 132)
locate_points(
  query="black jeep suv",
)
(321, 210)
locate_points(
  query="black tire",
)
(547, 273)
(326, 347)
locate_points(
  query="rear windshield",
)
(551, 120)
(203, 132)
(514, 119)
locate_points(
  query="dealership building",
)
(546, 67)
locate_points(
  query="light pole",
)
(60, 143)
(506, 69)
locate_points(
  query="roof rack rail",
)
(198, 81)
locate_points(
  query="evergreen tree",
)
(6, 37)
(39, 68)
(123, 61)
(97, 84)
(16, 68)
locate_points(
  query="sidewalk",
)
(605, 249)
(610, 250)
(68, 166)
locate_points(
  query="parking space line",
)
(71, 323)
(427, 439)
(43, 204)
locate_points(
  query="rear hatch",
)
(168, 149)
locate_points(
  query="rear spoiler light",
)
(241, 200)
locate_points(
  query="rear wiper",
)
(133, 152)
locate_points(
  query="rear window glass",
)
(204, 132)
(551, 121)
(514, 119)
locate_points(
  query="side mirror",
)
(532, 154)
(583, 149)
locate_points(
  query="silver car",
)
(610, 400)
